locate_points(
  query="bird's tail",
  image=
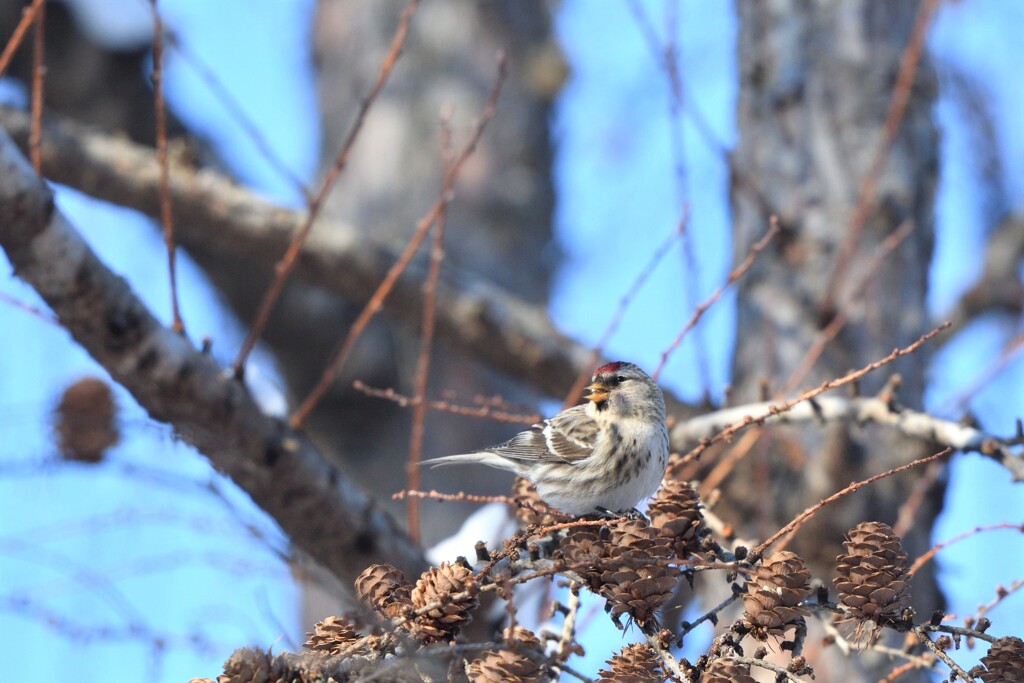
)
(481, 458)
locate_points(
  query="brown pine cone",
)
(501, 666)
(454, 587)
(384, 588)
(1004, 661)
(726, 671)
(872, 575)
(633, 664)
(635, 537)
(639, 591)
(584, 551)
(675, 511)
(780, 582)
(251, 665)
(85, 420)
(331, 636)
(529, 508)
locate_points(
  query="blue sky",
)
(616, 190)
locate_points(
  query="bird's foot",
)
(631, 513)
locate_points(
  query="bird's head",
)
(624, 389)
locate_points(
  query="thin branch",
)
(735, 275)
(239, 115)
(376, 301)
(419, 410)
(166, 211)
(38, 77)
(795, 524)
(841, 317)
(777, 408)
(286, 264)
(28, 15)
(487, 410)
(934, 550)
(31, 310)
(780, 672)
(893, 118)
(923, 638)
(613, 324)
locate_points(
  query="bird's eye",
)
(619, 379)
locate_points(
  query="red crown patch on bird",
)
(608, 368)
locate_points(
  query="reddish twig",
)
(934, 550)
(412, 468)
(487, 410)
(793, 526)
(28, 15)
(376, 301)
(624, 303)
(893, 117)
(1002, 592)
(841, 317)
(31, 310)
(239, 115)
(776, 409)
(735, 275)
(286, 264)
(35, 135)
(166, 210)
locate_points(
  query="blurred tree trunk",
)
(816, 79)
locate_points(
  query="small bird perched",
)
(602, 456)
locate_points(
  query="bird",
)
(602, 456)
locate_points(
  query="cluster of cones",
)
(634, 564)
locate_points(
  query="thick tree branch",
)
(317, 506)
(876, 410)
(474, 316)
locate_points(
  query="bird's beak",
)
(596, 392)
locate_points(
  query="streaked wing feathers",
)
(567, 437)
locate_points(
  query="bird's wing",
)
(566, 437)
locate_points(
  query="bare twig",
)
(577, 387)
(777, 408)
(488, 411)
(31, 310)
(841, 317)
(238, 115)
(376, 301)
(166, 210)
(38, 77)
(934, 550)
(923, 638)
(734, 275)
(893, 118)
(795, 524)
(28, 15)
(287, 262)
(412, 468)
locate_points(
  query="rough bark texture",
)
(815, 82)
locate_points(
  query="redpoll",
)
(605, 455)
